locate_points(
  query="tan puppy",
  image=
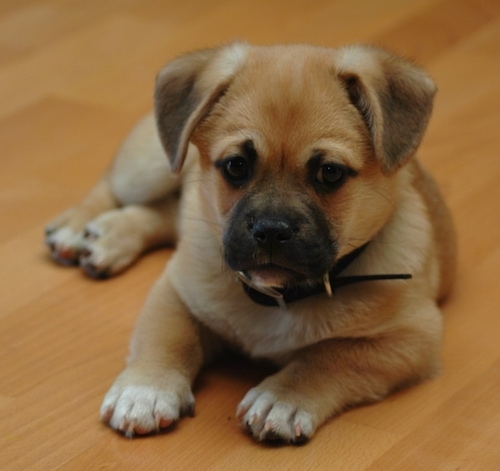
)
(309, 234)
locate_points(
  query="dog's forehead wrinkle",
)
(287, 108)
(292, 131)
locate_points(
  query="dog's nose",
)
(270, 231)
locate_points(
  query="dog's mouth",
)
(271, 276)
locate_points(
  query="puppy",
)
(308, 234)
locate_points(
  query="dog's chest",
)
(259, 331)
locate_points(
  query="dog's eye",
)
(236, 170)
(331, 175)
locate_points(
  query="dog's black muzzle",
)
(291, 237)
(285, 233)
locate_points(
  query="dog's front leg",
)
(154, 390)
(324, 379)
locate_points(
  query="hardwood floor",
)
(74, 76)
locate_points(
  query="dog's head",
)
(299, 147)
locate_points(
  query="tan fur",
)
(300, 108)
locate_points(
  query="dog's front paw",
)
(269, 417)
(139, 409)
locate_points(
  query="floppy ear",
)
(185, 91)
(394, 98)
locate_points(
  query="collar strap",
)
(278, 297)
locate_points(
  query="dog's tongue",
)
(269, 276)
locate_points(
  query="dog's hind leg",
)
(64, 234)
(105, 238)
(132, 209)
(115, 239)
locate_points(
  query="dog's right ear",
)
(186, 89)
(393, 96)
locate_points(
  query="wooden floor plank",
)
(445, 24)
(74, 76)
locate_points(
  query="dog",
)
(307, 234)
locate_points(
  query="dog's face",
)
(295, 161)
(293, 171)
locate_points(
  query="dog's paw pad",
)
(140, 410)
(269, 418)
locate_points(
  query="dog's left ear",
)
(186, 89)
(394, 98)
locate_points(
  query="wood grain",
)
(74, 76)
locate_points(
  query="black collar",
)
(281, 297)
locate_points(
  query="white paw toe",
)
(64, 245)
(266, 417)
(108, 247)
(139, 410)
